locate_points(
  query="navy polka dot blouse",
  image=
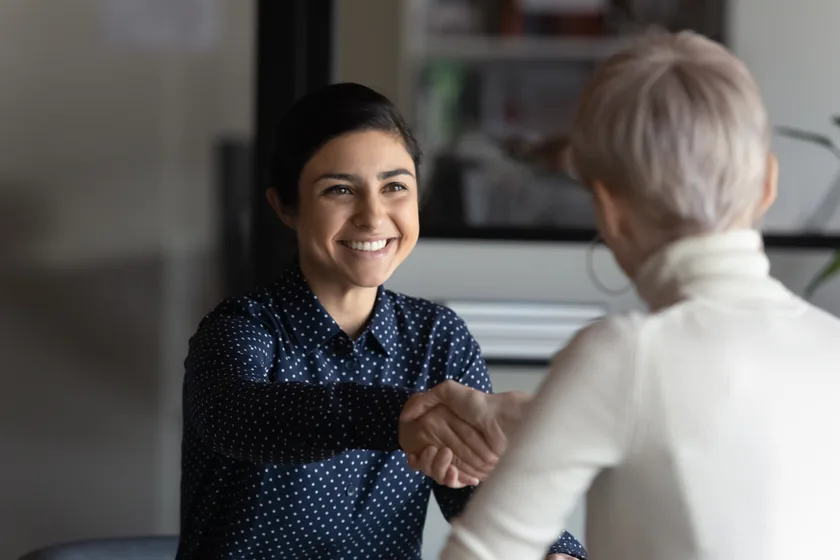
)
(290, 427)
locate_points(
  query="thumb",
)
(418, 405)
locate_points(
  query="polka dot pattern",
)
(290, 427)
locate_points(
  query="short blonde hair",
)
(675, 122)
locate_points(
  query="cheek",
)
(320, 221)
(407, 219)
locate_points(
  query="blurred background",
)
(131, 137)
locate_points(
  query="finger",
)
(453, 479)
(425, 460)
(433, 430)
(477, 442)
(462, 479)
(449, 476)
(475, 450)
(464, 401)
(411, 459)
(466, 459)
(441, 463)
(475, 408)
(418, 405)
(467, 480)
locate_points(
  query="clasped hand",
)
(456, 434)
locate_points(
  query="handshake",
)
(456, 434)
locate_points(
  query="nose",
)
(370, 212)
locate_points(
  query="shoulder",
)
(619, 328)
(612, 339)
(448, 348)
(601, 361)
(250, 316)
(428, 317)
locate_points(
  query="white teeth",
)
(367, 245)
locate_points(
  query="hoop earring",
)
(590, 269)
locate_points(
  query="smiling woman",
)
(293, 442)
(356, 215)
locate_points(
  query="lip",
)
(370, 239)
(387, 250)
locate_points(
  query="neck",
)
(727, 263)
(349, 306)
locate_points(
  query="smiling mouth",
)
(368, 246)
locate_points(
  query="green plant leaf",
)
(805, 135)
(831, 269)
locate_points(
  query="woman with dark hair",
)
(293, 443)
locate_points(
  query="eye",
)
(338, 190)
(394, 187)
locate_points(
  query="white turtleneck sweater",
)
(707, 428)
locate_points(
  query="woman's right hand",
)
(477, 417)
(438, 428)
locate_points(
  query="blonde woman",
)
(706, 426)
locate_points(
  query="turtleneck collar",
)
(726, 265)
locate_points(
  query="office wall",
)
(106, 144)
(106, 236)
(791, 49)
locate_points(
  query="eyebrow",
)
(356, 179)
(394, 173)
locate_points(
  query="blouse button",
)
(350, 490)
(350, 365)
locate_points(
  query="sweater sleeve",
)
(469, 368)
(237, 411)
(577, 426)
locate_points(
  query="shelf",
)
(490, 49)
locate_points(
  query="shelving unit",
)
(485, 81)
(522, 49)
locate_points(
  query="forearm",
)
(293, 423)
(453, 501)
(577, 426)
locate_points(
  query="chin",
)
(368, 279)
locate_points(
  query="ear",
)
(771, 186)
(286, 216)
(611, 219)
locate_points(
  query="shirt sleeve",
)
(464, 364)
(237, 411)
(577, 425)
(471, 370)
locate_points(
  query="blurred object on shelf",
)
(455, 17)
(444, 105)
(496, 86)
(565, 17)
(512, 19)
(650, 12)
(572, 18)
(703, 16)
(564, 6)
(478, 183)
(530, 100)
(547, 156)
